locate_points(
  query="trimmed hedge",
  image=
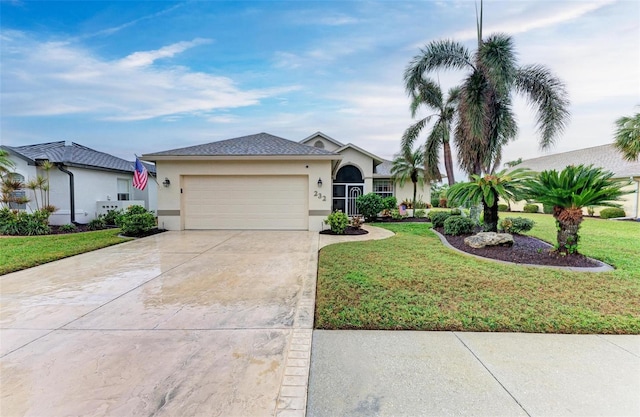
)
(503, 207)
(531, 208)
(611, 213)
(458, 225)
(438, 217)
(517, 225)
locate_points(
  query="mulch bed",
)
(350, 230)
(525, 250)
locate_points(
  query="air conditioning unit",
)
(102, 207)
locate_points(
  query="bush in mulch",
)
(350, 230)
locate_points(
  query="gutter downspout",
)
(72, 200)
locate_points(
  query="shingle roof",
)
(384, 169)
(604, 156)
(75, 155)
(261, 144)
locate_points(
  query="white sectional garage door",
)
(245, 202)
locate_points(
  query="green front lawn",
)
(18, 253)
(411, 281)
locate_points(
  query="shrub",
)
(68, 228)
(456, 212)
(531, 208)
(111, 218)
(435, 200)
(389, 203)
(97, 224)
(438, 217)
(20, 223)
(136, 221)
(591, 211)
(369, 205)
(356, 222)
(337, 221)
(421, 205)
(612, 212)
(458, 225)
(420, 213)
(547, 209)
(517, 225)
(503, 207)
(395, 214)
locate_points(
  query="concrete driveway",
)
(214, 323)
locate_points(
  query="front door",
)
(344, 198)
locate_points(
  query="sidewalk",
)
(404, 373)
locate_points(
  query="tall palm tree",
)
(568, 192)
(429, 94)
(409, 165)
(627, 138)
(486, 122)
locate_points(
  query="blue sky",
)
(137, 77)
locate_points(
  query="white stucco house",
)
(83, 182)
(263, 181)
(603, 156)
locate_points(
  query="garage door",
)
(245, 202)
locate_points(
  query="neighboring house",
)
(604, 156)
(263, 181)
(83, 182)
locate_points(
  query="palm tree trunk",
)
(490, 217)
(448, 163)
(415, 190)
(568, 222)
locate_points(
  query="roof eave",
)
(154, 158)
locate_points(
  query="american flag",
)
(139, 175)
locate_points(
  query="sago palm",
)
(568, 192)
(408, 165)
(486, 122)
(427, 93)
(488, 189)
(627, 137)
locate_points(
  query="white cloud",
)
(59, 78)
(548, 15)
(144, 58)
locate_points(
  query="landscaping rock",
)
(483, 239)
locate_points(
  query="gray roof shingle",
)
(604, 156)
(75, 155)
(384, 169)
(261, 144)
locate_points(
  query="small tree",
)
(488, 189)
(568, 192)
(409, 165)
(369, 205)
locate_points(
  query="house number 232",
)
(320, 196)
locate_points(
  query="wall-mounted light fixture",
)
(319, 182)
(166, 182)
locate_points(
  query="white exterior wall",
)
(328, 145)
(406, 193)
(170, 204)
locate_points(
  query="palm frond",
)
(441, 54)
(627, 137)
(499, 62)
(411, 134)
(549, 95)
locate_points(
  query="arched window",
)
(350, 174)
(16, 196)
(319, 144)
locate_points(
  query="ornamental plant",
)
(568, 191)
(136, 221)
(369, 205)
(338, 222)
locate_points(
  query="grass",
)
(25, 252)
(411, 281)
